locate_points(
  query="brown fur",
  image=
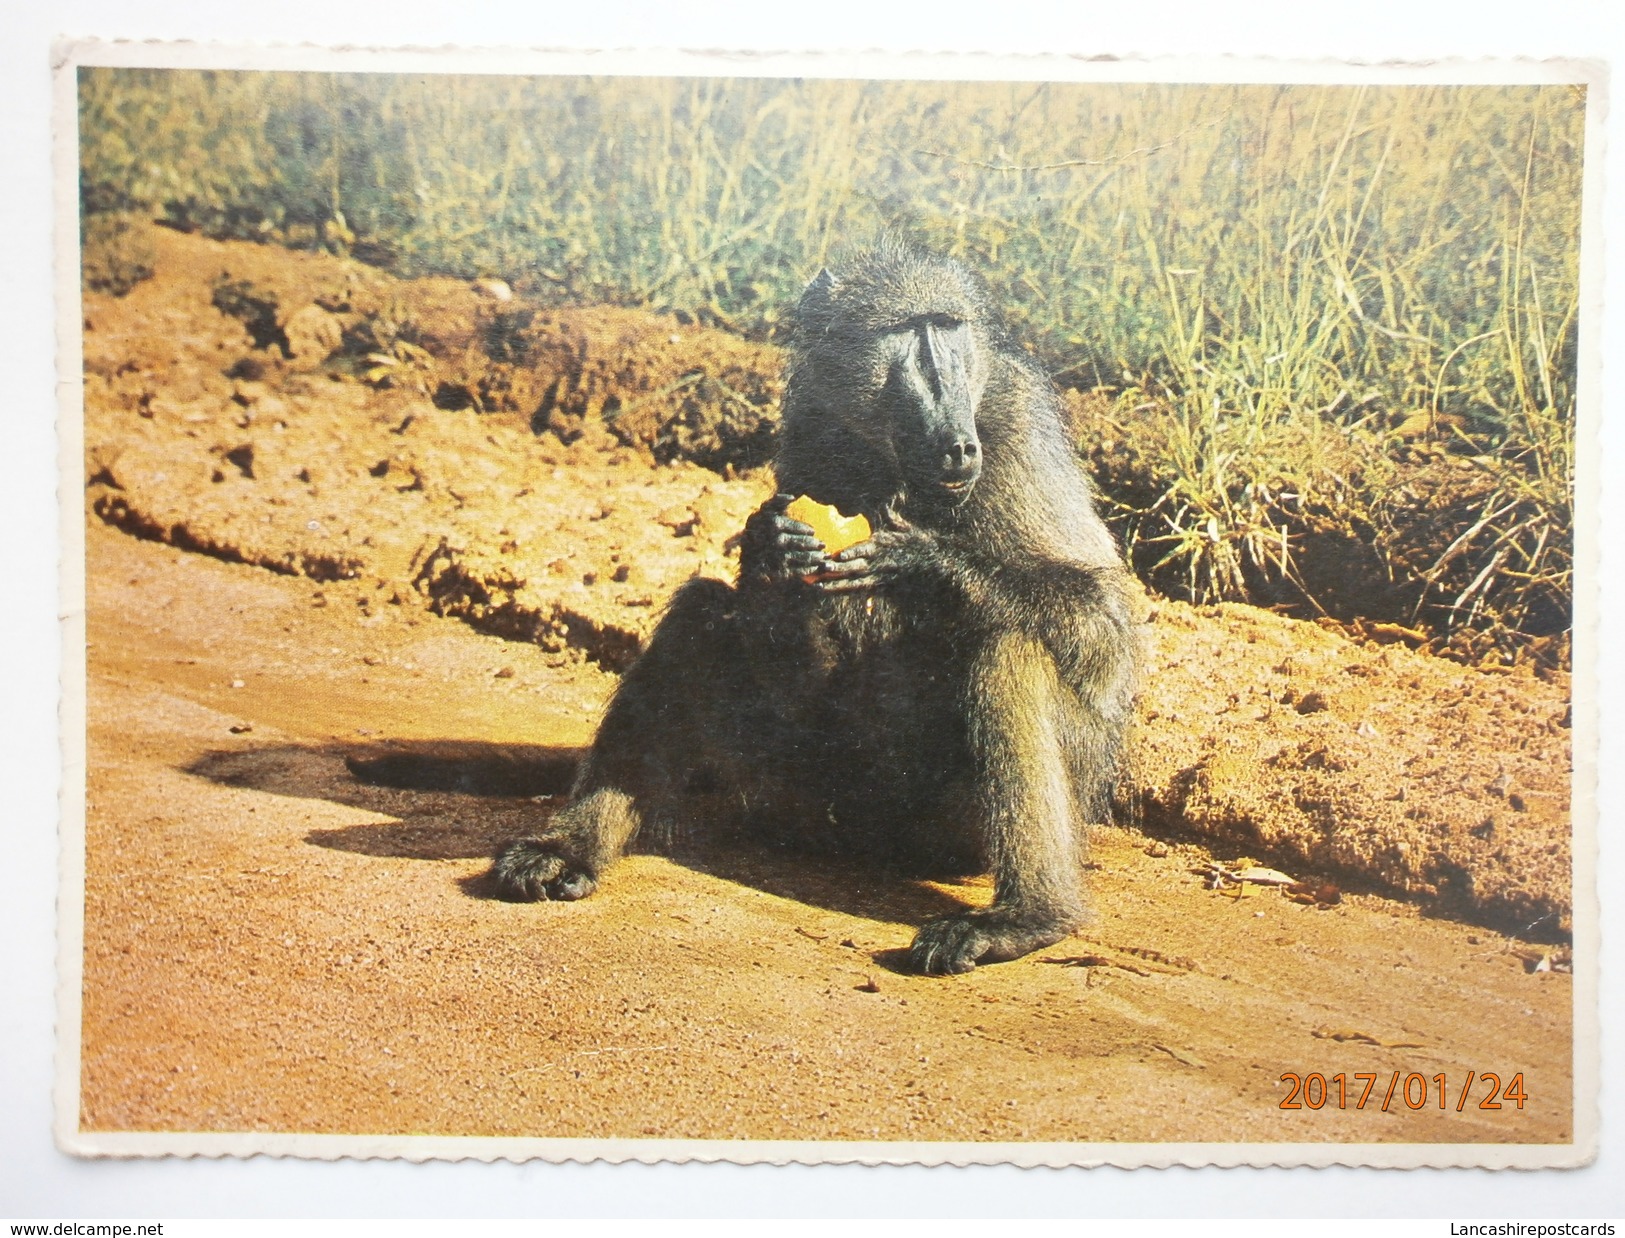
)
(951, 694)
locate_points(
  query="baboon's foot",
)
(957, 944)
(530, 870)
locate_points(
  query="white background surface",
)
(37, 1181)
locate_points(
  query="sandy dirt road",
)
(273, 945)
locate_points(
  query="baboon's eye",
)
(942, 322)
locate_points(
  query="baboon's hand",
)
(887, 553)
(531, 870)
(957, 944)
(777, 548)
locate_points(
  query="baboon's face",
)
(931, 373)
(901, 361)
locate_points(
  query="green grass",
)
(1269, 264)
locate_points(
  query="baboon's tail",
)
(468, 770)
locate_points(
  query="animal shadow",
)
(451, 800)
(460, 800)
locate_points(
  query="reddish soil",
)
(332, 562)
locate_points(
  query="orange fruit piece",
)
(836, 531)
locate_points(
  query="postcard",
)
(842, 608)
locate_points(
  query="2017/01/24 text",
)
(1414, 1090)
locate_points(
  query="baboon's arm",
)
(1078, 610)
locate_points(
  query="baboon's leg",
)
(564, 863)
(1018, 708)
(676, 711)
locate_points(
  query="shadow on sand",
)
(461, 800)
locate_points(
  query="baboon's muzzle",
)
(936, 386)
(959, 465)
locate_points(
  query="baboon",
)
(949, 695)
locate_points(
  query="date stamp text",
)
(1415, 1090)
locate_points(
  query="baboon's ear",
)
(816, 302)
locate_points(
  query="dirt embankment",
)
(248, 424)
(438, 444)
